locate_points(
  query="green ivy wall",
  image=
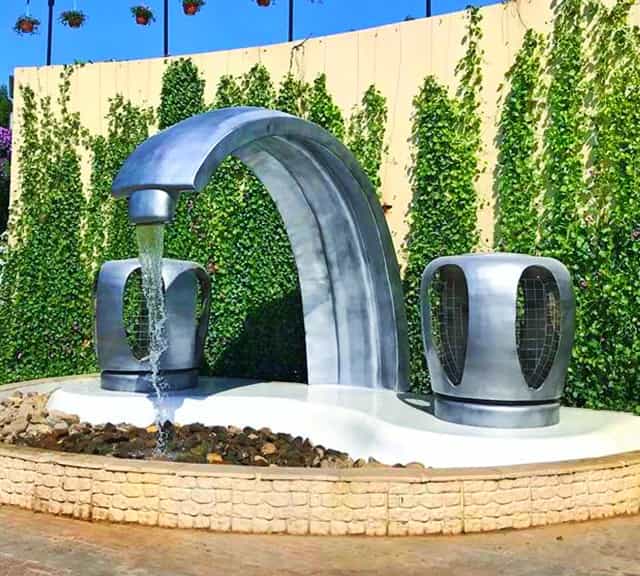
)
(529, 146)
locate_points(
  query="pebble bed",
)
(26, 421)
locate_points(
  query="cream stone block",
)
(205, 483)
(320, 513)
(203, 496)
(132, 490)
(170, 507)
(99, 514)
(299, 498)
(252, 498)
(244, 511)
(378, 499)
(339, 528)
(402, 515)
(277, 500)
(224, 509)
(103, 476)
(398, 528)
(223, 495)
(264, 512)
(202, 522)
(189, 508)
(342, 514)
(150, 490)
(241, 525)
(357, 500)
(131, 516)
(221, 524)
(416, 528)
(185, 521)
(116, 515)
(297, 526)
(400, 488)
(58, 494)
(319, 528)
(452, 526)
(148, 518)
(356, 528)
(186, 482)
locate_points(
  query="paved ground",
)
(40, 545)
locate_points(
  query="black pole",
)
(428, 8)
(290, 20)
(50, 31)
(166, 27)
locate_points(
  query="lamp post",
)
(166, 28)
(291, 7)
(428, 8)
(50, 31)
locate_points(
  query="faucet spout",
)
(152, 206)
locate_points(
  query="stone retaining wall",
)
(394, 502)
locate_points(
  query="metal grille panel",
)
(537, 324)
(450, 319)
(136, 316)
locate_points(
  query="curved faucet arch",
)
(353, 308)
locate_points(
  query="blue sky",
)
(111, 34)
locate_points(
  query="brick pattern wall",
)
(375, 502)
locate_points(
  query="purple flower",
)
(5, 142)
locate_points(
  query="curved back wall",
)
(396, 58)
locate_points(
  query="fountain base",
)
(142, 381)
(359, 421)
(494, 414)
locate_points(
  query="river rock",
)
(268, 448)
(18, 426)
(214, 458)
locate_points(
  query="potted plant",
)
(26, 25)
(73, 18)
(263, 3)
(143, 15)
(192, 7)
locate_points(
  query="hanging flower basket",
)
(73, 18)
(263, 3)
(192, 7)
(26, 25)
(143, 15)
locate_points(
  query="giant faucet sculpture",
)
(349, 278)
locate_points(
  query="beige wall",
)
(396, 58)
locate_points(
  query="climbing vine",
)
(182, 94)
(518, 167)
(565, 134)
(442, 215)
(323, 110)
(366, 131)
(44, 326)
(605, 370)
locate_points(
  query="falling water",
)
(150, 248)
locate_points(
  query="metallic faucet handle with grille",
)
(498, 331)
(122, 331)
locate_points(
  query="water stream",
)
(150, 248)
